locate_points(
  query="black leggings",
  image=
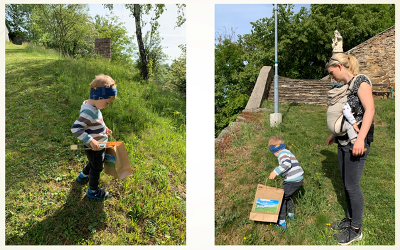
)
(351, 168)
(287, 203)
(94, 166)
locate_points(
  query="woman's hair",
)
(348, 61)
(102, 81)
(275, 140)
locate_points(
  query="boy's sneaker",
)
(343, 224)
(82, 178)
(99, 194)
(282, 225)
(291, 215)
(348, 236)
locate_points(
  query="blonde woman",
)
(352, 157)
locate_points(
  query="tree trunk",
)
(142, 51)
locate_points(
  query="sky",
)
(239, 16)
(172, 36)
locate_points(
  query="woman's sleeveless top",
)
(354, 100)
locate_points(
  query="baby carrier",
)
(337, 98)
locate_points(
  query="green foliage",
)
(44, 204)
(17, 20)
(155, 55)
(122, 46)
(177, 74)
(230, 93)
(74, 31)
(230, 111)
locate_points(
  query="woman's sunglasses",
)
(333, 59)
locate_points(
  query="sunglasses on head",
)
(333, 59)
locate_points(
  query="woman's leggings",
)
(351, 169)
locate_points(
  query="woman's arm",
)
(365, 94)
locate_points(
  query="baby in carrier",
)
(338, 110)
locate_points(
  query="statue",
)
(337, 42)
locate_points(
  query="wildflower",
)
(244, 238)
(369, 231)
(328, 224)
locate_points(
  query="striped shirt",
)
(90, 125)
(289, 167)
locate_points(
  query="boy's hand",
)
(272, 175)
(108, 131)
(94, 144)
(356, 127)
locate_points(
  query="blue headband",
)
(98, 93)
(276, 148)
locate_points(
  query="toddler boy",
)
(290, 169)
(91, 129)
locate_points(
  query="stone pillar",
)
(261, 88)
(102, 46)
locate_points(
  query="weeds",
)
(245, 161)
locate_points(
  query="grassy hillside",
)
(244, 160)
(44, 203)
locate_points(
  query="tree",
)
(122, 46)
(60, 26)
(230, 92)
(17, 20)
(137, 11)
(142, 52)
(177, 74)
(154, 53)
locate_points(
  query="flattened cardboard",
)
(269, 200)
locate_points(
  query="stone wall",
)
(102, 46)
(377, 57)
(301, 91)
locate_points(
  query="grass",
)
(243, 161)
(44, 203)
